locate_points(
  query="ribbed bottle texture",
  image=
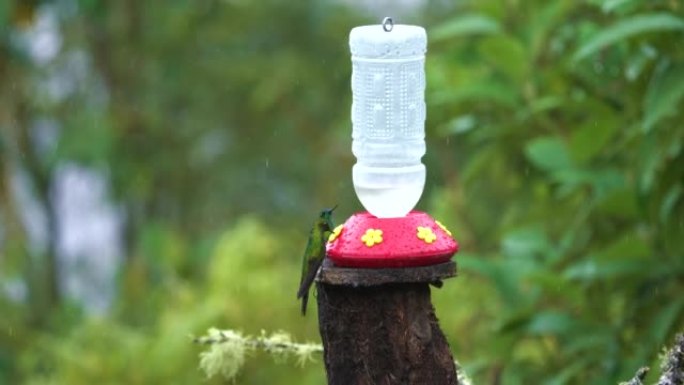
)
(388, 117)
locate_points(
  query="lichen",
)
(228, 348)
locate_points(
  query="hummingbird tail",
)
(305, 299)
(308, 280)
(303, 289)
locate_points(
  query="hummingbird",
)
(314, 253)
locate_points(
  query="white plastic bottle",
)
(388, 117)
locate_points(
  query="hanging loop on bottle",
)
(387, 24)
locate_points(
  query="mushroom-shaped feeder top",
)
(365, 240)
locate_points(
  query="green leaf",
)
(665, 320)
(482, 91)
(504, 279)
(514, 322)
(525, 242)
(550, 322)
(625, 256)
(592, 269)
(477, 263)
(469, 24)
(595, 338)
(548, 153)
(507, 55)
(616, 5)
(664, 95)
(628, 247)
(478, 163)
(669, 201)
(458, 125)
(626, 28)
(639, 61)
(589, 140)
(564, 376)
(651, 159)
(542, 33)
(602, 181)
(621, 203)
(541, 105)
(605, 181)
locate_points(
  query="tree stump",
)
(378, 326)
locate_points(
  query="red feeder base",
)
(370, 242)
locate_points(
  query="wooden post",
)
(378, 326)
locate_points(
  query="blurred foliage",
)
(561, 173)
(554, 153)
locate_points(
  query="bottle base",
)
(392, 202)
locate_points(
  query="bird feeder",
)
(375, 316)
(409, 241)
(388, 141)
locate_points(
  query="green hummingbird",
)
(314, 253)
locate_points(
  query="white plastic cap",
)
(373, 42)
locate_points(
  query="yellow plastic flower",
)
(441, 226)
(426, 234)
(335, 233)
(372, 237)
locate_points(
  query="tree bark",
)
(379, 327)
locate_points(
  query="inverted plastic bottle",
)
(388, 117)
